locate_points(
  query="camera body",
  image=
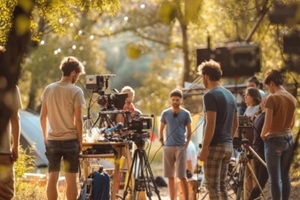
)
(98, 82)
(112, 101)
(245, 121)
(112, 104)
(140, 123)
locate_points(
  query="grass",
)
(34, 189)
(155, 157)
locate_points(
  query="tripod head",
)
(139, 139)
(245, 122)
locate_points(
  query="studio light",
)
(291, 43)
(285, 14)
(236, 58)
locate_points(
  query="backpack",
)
(86, 190)
(96, 187)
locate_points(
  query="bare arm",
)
(15, 129)
(208, 134)
(189, 134)
(161, 132)
(78, 124)
(43, 121)
(235, 124)
(267, 124)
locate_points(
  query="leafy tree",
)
(16, 34)
(41, 67)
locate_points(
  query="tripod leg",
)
(253, 174)
(129, 176)
(143, 177)
(239, 189)
(148, 170)
(98, 119)
(255, 178)
(144, 174)
(141, 180)
(257, 156)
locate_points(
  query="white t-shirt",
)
(192, 154)
(251, 111)
(61, 99)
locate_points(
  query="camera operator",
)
(129, 106)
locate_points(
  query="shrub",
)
(27, 190)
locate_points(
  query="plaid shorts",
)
(215, 170)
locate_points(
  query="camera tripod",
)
(107, 123)
(104, 118)
(242, 171)
(143, 176)
(237, 174)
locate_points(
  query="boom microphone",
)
(118, 126)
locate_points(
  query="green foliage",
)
(27, 190)
(31, 190)
(42, 66)
(25, 162)
(153, 98)
(6, 16)
(56, 13)
(167, 12)
(192, 10)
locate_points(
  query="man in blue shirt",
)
(221, 123)
(177, 122)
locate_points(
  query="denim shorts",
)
(66, 150)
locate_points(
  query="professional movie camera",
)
(139, 127)
(140, 123)
(245, 121)
(133, 128)
(245, 127)
(111, 101)
(98, 84)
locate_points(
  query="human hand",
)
(202, 155)
(161, 140)
(15, 154)
(79, 147)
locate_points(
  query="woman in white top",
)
(252, 99)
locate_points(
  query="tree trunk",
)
(32, 95)
(185, 50)
(10, 60)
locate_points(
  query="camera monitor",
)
(118, 100)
